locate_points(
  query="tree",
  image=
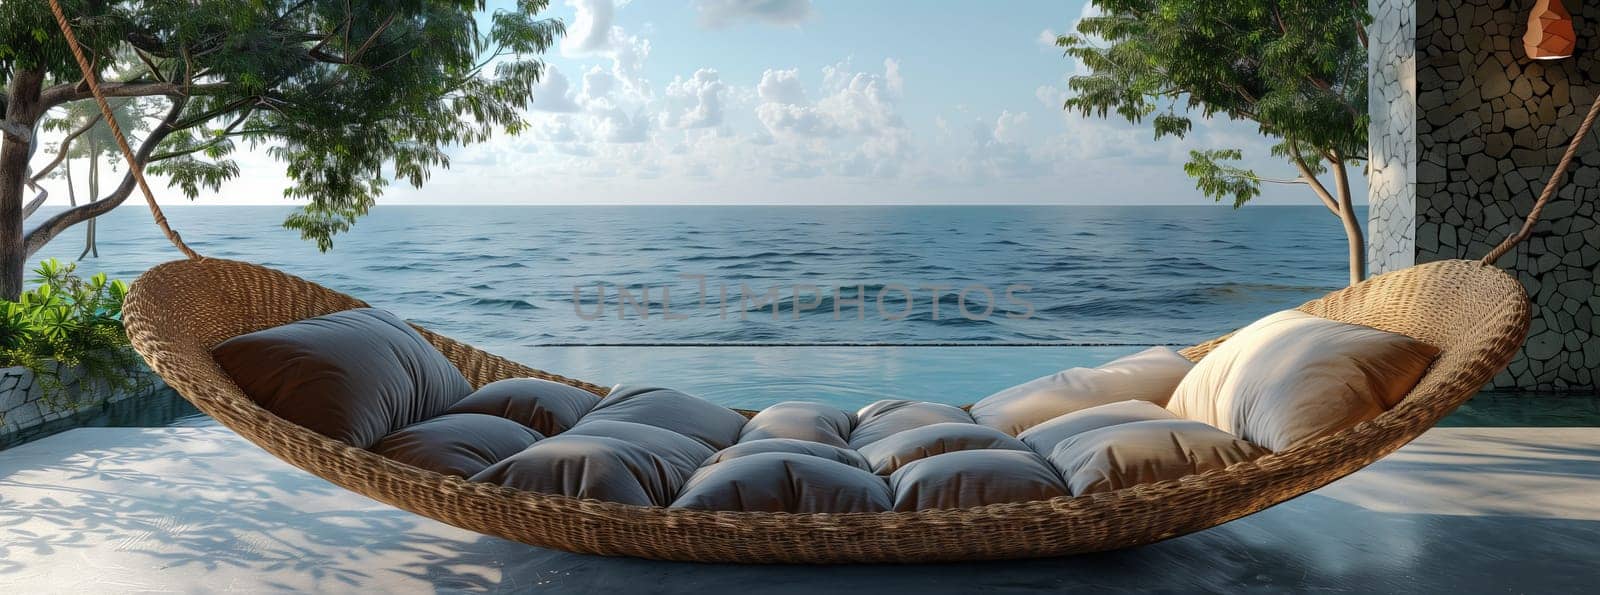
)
(1298, 70)
(91, 140)
(346, 94)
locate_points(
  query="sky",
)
(801, 102)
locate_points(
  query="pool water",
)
(850, 377)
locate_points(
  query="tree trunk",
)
(94, 195)
(21, 113)
(1352, 225)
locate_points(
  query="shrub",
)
(69, 328)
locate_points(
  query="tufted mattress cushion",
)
(1293, 377)
(367, 378)
(354, 376)
(1149, 375)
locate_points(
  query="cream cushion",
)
(1125, 455)
(1292, 377)
(1149, 375)
(1044, 437)
(900, 448)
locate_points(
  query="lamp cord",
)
(134, 167)
(1550, 188)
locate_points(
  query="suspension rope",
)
(116, 132)
(1550, 188)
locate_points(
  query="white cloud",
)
(723, 13)
(1047, 38)
(597, 85)
(705, 91)
(616, 126)
(891, 74)
(1050, 96)
(590, 32)
(782, 86)
(554, 93)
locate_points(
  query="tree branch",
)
(36, 238)
(17, 132)
(221, 136)
(1311, 179)
(59, 94)
(33, 205)
(61, 155)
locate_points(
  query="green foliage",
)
(1296, 69)
(346, 94)
(68, 325)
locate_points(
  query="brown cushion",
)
(898, 449)
(974, 478)
(548, 407)
(790, 445)
(646, 468)
(354, 376)
(801, 421)
(883, 418)
(1293, 377)
(1124, 455)
(1149, 375)
(1044, 437)
(784, 482)
(713, 425)
(460, 444)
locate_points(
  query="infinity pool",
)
(850, 377)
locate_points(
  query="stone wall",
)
(27, 413)
(1392, 102)
(1490, 126)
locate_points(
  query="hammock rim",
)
(175, 312)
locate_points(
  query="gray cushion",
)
(784, 482)
(898, 449)
(713, 425)
(970, 478)
(790, 445)
(883, 418)
(548, 407)
(591, 467)
(1149, 375)
(801, 421)
(354, 376)
(685, 454)
(460, 444)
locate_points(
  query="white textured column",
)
(1392, 135)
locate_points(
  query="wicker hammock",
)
(1475, 313)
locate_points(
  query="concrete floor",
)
(107, 510)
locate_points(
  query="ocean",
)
(754, 305)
